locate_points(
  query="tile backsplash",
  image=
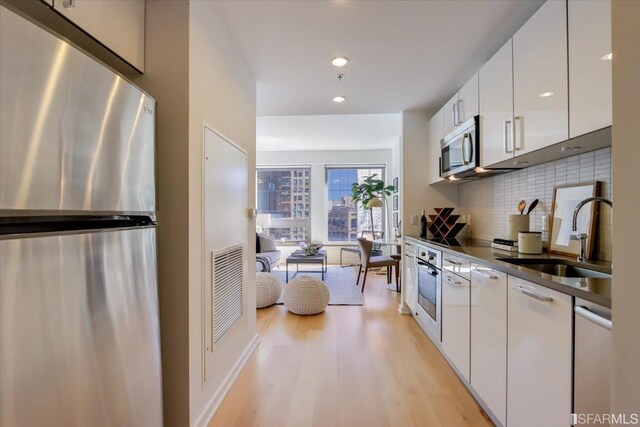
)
(489, 201)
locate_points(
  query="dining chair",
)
(398, 257)
(377, 248)
(368, 262)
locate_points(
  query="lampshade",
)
(374, 203)
(263, 220)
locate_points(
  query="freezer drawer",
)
(79, 330)
(74, 136)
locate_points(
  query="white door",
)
(434, 147)
(468, 100)
(496, 107)
(450, 116)
(118, 24)
(540, 98)
(456, 296)
(539, 346)
(489, 338)
(590, 105)
(225, 223)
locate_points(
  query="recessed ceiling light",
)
(481, 170)
(340, 61)
(339, 99)
(545, 94)
(607, 57)
(453, 178)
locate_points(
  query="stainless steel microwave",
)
(460, 156)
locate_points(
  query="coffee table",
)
(297, 258)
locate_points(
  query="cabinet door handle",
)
(505, 137)
(528, 291)
(452, 262)
(458, 111)
(517, 126)
(487, 275)
(453, 113)
(590, 315)
(454, 282)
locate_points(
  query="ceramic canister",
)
(530, 242)
(517, 223)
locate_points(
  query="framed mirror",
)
(565, 200)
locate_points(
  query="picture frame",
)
(395, 219)
(395, 202)
(565, 200)
(395, 184)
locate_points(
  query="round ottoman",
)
(306, 295)
(268, 289)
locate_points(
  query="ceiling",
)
(328, 132)
(403, 54)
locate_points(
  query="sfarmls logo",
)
(605, 419)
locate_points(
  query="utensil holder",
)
(517, 223)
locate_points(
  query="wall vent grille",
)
(228, 289)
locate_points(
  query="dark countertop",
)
(596, 290)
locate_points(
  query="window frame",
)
(292, 219)
(327, 167)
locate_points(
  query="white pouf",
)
(306, 295)
(268, 289)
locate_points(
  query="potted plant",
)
(370, 193)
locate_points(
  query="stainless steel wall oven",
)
(428, 265)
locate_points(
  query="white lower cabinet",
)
(539, 357)
(489, 338)
(456, 295)
(410, 281)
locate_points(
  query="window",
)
(285, 193)
(346, 222)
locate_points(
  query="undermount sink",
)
(558, 267)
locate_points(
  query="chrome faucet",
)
(583, 236)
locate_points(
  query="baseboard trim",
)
(404, 309)
(219, 396)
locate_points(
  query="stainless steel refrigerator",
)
(79, 326)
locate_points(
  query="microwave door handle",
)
(470, 142)
(463, 147)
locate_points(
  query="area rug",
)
(341, 283)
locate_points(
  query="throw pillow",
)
(257, 243)
(267, 243)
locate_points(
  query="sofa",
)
(267, 255)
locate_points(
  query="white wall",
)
(222, 94)
(416, 193)
(625, 392)
(196, 76)
(317, 161)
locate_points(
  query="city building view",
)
(286, 195)
(346, 221)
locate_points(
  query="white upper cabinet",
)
(539, 359)
(541, 106)
(436, 135)
(468, 100)
(589, 66)
(118, 24)
(496, 107)
(461, 107)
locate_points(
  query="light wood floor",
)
(350, 366)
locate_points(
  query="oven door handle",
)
(423, 265)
